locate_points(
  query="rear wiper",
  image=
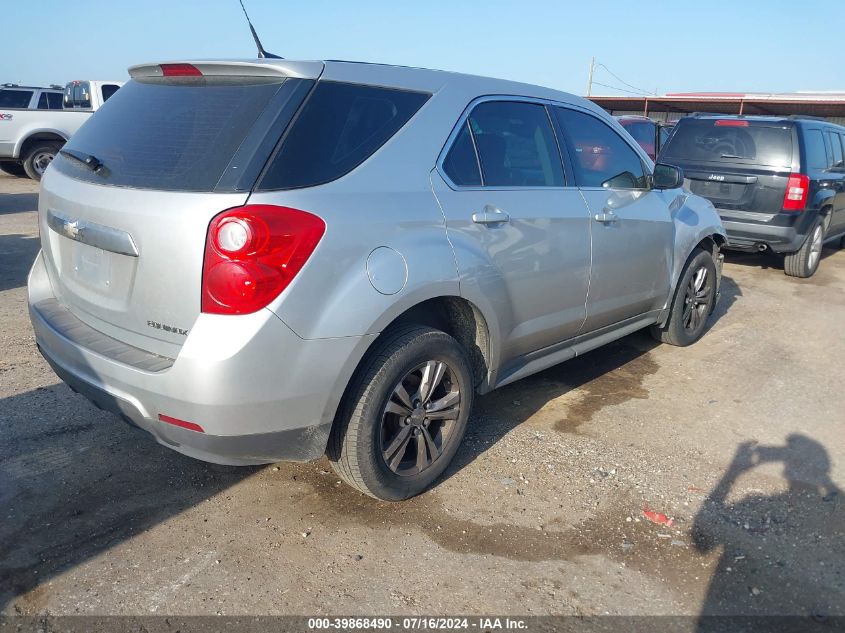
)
(89, 160)
(731, 156)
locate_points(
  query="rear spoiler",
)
(232, 68)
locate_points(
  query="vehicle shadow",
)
(781, 554)
(610, 375)
(75, 482)
(765, 260)
(17, 252)
(18, 202)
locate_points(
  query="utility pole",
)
(590, 78)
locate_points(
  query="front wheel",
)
(404, 415)
(695, 297)
(805, 261)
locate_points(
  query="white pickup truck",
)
(30, 137)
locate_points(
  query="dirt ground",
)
(542, 513)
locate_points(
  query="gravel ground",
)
(542, 513)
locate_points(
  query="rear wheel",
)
(405, 415)
(39, 157)
(805, 261)
(695, 297)
(13, 169)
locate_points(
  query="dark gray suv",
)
(777, 183)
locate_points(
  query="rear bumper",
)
(748, 235)
(260, 393)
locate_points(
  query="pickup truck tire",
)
(13, 169)
(38, 157)
(805, 261)
(695, 297)
(404, 414)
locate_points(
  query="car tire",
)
(38, 157)
(383, 443)
(13, 169)
(693, 302)
(805, 261)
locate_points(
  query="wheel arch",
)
(36, 136)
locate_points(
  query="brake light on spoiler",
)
(180, 70)
(797, 192)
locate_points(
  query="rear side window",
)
(175, 134)
(836, 146)
(816, 151)
(461, 163)
(730, 141)
(108, 90)
(516, 145)
(600, 157)
(340, 126)
(15, 98)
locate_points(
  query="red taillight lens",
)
(252, 253)
(797, 191)
(731, 123)
(180, 70)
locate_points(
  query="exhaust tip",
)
(761, 247)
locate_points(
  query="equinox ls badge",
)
(167, 328)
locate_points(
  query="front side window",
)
(461, 163)
(15, 98)
(516, 145)
(108, 90)
(600, 157)
(340, 126)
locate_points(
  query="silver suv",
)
(274, 260)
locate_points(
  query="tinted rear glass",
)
(339, 127)
(169, 134)
(461, 163)
(731, 141)
(15, 98)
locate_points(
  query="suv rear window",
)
(15, 98)
(171, 134)
(339, 127)
(730, 141)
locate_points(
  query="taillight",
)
(797, 190)
(252, 253)
(731, 123)
(180, 70)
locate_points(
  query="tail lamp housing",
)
(252, 253)
(797, 192)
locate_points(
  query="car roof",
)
(386, 75)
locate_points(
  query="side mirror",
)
(667, 176)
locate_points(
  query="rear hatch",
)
(124, 209)
(741, 165)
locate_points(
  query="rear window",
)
(339, 127)
(15, 98)
(170, 134)
(730, 141)
(77, 95)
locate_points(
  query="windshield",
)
(730, 140)
(169, 134)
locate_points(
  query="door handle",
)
(606, 217)
(490, 215)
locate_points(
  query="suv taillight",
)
(252, 253)
(797, 190)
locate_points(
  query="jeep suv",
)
(777, 183)
(271, 260)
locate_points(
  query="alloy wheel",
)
(419, 417)
(41, 161)
(815, 248)
(697, 299)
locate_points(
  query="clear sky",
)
(713, 45)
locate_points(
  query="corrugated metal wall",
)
(674, 116)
